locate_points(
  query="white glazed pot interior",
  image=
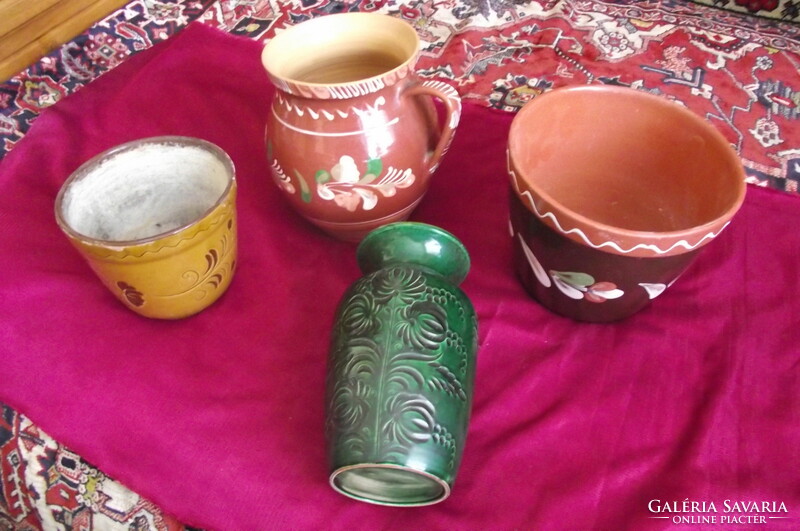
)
(144, 191)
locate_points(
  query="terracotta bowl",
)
(614, 193)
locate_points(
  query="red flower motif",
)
(600, 292)
(105, 50)
(39, 92)
(133, 295)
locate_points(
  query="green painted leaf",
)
(575, 279)
(374, 168)
(322, 176)
(305, 193)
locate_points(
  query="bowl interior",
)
(625, 159)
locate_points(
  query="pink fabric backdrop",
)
(219, 418)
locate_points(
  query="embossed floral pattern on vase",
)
(401, 369)
(394, 331)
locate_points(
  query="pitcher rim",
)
(344, 89)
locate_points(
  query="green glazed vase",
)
(401, 369)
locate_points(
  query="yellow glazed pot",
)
(155, 219)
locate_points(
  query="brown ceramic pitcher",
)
(353, 135)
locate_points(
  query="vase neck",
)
(415, 244)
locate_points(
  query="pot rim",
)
(608, 238)
(87, 167)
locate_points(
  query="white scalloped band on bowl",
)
(624, 171)
(639, 249)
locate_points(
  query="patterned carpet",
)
(736, 66)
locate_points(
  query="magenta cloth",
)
(219, 418)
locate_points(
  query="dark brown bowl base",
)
(581, 282)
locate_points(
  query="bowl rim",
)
(610, 238)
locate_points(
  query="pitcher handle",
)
(452, 104)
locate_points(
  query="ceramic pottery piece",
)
(614, 193)
(353, 136)
(156, 221)
(401, 369)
